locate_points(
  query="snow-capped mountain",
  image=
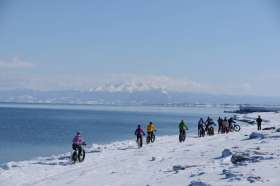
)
(137, 94)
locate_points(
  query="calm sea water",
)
(28, 131)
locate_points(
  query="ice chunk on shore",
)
(256, 135)
(226, 153)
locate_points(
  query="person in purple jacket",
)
(139, 132)
(77, 142)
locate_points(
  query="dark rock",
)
(153, 158)
(199, 174)
(178, 167)
(231, 175)
(239, 157)
(269, 128)
(198, 183)
(253, 179)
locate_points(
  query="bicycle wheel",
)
(82, 156)
(74, 156)
(211, 131)
(153, 137)
(139, 142)
(148, 139)
(182, 137)
(237, 128)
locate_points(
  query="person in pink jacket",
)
(77, 142)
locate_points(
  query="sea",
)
(28, 131)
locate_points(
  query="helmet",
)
(139, 126)
(78, 133)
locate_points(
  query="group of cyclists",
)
(227, 125)
(77, 142)
(204, 128)
(139, 133)
(224, 126)
(151, 129)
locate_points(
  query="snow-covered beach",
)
(164, 163)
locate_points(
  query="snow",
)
(198, 161)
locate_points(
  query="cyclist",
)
(209, 122)
(201, 128)
(139, 133)
(231, 124)
(151, 128)
(182, 128)
(220, 123)
(77, 142)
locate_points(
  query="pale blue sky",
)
(229, 47)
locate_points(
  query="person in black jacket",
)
(220, 124)
(231, 122)
(201, 128)
(259, 122)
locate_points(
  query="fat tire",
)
(153, 137)
(182, 137)
(148, 139)
(74, 157)
(82, 156)
(139, 143)
(211, 131)
(236, 128)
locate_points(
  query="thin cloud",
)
(15, 63)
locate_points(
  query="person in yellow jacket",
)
(151, 128)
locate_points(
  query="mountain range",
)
(128, 96)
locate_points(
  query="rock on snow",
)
(255, 135)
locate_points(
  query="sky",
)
(217, 46)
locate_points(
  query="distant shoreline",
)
(198, 105)
(253, 109)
